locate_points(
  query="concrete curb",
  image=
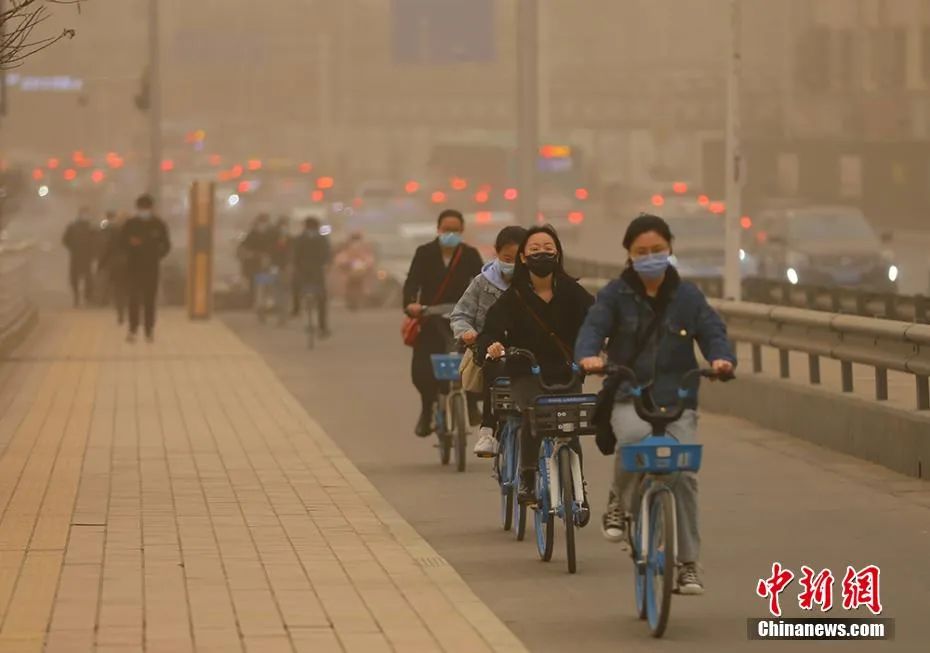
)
(894, 438)
(14, 335)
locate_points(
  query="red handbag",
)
(411, 327)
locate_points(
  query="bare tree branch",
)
(19, 34)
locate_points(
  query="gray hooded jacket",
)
(470, 311)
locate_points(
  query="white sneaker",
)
(486, 447)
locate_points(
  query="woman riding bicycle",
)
(439, 273)
(542, 311)
(651, 319)
(471, 310)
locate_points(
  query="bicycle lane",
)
(765, 497)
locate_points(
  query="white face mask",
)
(145, 214)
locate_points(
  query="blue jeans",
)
(629, 428)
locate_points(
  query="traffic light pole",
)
(155, 140)
(527, 109)
(732, 282)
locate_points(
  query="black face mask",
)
(542, 264)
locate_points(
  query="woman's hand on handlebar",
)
(592, 364)
(496, 351)
(722, 368)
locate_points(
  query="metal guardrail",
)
(882, 344)
(15, 277)
(834, 299)
(850, 339)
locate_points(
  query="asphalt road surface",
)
(765, 497)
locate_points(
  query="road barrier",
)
(834, 299)
(17, 312)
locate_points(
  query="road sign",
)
(443, 31)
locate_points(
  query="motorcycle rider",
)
(356, 261)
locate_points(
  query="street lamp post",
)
(154, 86)
(734, 165)
(527, 108)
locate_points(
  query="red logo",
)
(861, 588)
(817, 589)
(771, 587)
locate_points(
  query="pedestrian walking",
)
(145, 240)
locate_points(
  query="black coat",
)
(311, 255)
(427, 271)
(81, 242)
(146, 242)
(510, 322)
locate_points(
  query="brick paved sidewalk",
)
(174, 497)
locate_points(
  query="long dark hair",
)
(521, 274)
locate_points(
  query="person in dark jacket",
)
(81, 242)
(542, 311)
(312, 254)
(444, 256)
(145, 240)
(112, 262)
(255, 251)
(651, 320)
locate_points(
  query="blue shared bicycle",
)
(451, 409)
(507, 460)
(653, 527)
(556, 420)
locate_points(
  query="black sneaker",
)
(613, 524)
(527, 494)
(689, 581)
(425, 423)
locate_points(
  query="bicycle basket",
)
(502, 397)
(660, 455)
(446, 366)
(265, 278)
(559, 416)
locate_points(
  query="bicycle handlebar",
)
(640, 392)
(555, 388)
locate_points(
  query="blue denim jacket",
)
(620, 313)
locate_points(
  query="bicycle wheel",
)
(660, 563)
(519, 510)
(544, 520)
(504, 468)
(568, 506)
(260, 304)
(445, 442)
(639, 570)
(459, 430)
(311, 330)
